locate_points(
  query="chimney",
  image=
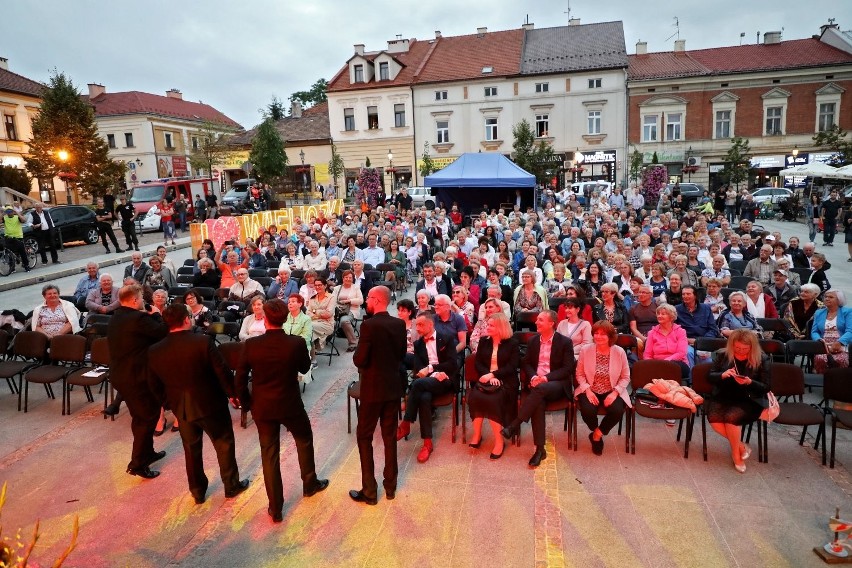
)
(771, 37)
(174, 94)
(96, 90)
(641, 47)
(4, 63)
(574, 22)
(359, 49)
(680, 45)
(528, 26)
(438, 34)
(295, 109)
(398, 45)
(482, 31)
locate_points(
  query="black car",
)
(690, 191)
(74, 223)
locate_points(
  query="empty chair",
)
(206, 293)
(740, 282)
(229, 329)
(67, 352)
(804, 273)
(774, 348)
(28, 350)
(710, 344)
(186, 270)
(837, 388)
(806, 349)
(789, 381)
(774, 325)
(189, 262)
(91, 375)
(525, 320)
(738, 265)
(186, 279)
(178, 291)
(255, 272)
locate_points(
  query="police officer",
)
(127, 214)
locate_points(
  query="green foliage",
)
(212, 149)
(428, 166)
(655, 159)
(66, 122)
(14, 178)
(367, 162)
(275, 109)
(737, 162)
(635, 165)
(834, 140)
(315, 95)
(529, 155)
(267, 153)
(335, 165)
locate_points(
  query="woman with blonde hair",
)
(494, 390)
(740, 377)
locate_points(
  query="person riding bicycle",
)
(13, 222)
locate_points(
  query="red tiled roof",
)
(319, 109)
(792, 54)
(15, 83)
(463, 57)
(410, 60)
(136, 102)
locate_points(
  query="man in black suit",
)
(197, 391)
(381, 350)
(430, 283)
(137, 269)
(44, 233)
(275, 360)
(548, 369)
(436, 372)
(131, 332)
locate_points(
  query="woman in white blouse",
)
(578, 330)
(253, 324)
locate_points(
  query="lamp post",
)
(63, 157)
(391, 171)
(688, 165)
(304, 176)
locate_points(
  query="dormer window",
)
(488, 69)
(359, 73)
(384, 72)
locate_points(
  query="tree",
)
(834, 139)
(275, 109)
(532, 157)
(66, 122)
(212, 148)
(315, 95)
(655, 159)
(737, 162)
(636, 160)
(428, 166)
(335, 165)
(267, 153)
(14, 178)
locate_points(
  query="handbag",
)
(488, 388)
(771, 412)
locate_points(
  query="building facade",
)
(686, 106)
(20, 99)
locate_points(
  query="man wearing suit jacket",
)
(130, 333)
(435, 286)
(381, 350)
(548, 369)
(197, 391)
(275, 360)
(137, 269)
(435, 367)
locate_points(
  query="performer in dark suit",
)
(547, 371)
(130, 333)
(436, 370)
(197, 391)
(381, 350)
(275, 360)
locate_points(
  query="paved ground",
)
(654, 508)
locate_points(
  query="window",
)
(826, 116)
(773, 120)
(359, 73)
(195, 143)
(384, 74)
(673, 126)
(594, 122)
(111, 140)
(9, 121)
(542, 87)
(128, 140)
(443, 128)
(491, 129)
(542, 125)
(399, 115)
(168, 139)
(490, 91)
(649, 128)
(349, 119)
(723, 124)
(440, 95)
(373, 118)
(595, 83)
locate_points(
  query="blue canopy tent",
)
(475, 180)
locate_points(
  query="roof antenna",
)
(568, 11)
(677, 29)
(742, 35)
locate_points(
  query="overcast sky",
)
(236, 55)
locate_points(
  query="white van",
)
(584, 189)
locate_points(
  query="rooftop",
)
(409, 60)
(574, 48)
(14, 83)
(464, 57)
(312, 125)
(137, 102)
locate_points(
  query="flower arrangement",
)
(654, 179)
(369, 186)
(690, 169)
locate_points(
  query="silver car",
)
(422, 196)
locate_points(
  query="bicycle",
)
(8, 259)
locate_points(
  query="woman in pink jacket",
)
(602, 379)
(667, 340)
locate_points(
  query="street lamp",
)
(304, 175)
(391, 170)
(689, 166)
(795, 150)
(63, 156)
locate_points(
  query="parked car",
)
(422, 197)
(690, 191)
(770, 194)
(150, 222)
(74, 223)
(584, 190)
(237, 196)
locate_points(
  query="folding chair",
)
(789, 381)
(643, 372)
(67, 352)
(28, 350)
(806, 349)
(97, 373)
(837, 388)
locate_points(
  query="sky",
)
(236, 55)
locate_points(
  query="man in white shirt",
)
(372, 254)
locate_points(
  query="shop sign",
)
(597, 157)
(799, 160)
(764, 162)
(663, 157)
